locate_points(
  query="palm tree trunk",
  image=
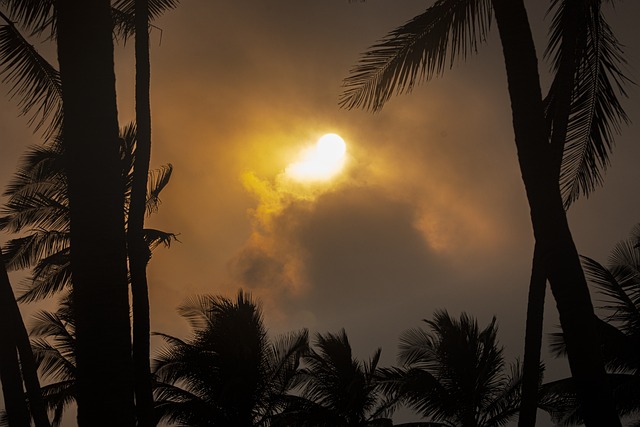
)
(138, 249)
(12, 390)
(27, 364)
(559, 118)
(551, 230)
(98, 245)
(29, 369)
(533, 343)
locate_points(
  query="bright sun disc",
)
(321, 162)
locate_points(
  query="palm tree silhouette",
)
(85, 54)
(336, 389)
(228, 373)
(619, 330)
(454, 374)
(563, 140)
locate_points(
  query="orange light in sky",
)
(321, 162)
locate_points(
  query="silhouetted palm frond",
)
(158, 180)
(26, 251)
(620, 285)
(50, 276)
(153, 238)
(559, 398)
(41, 210)
(35, 15)
(32, 80)
(418, 50)
(596, 113)
(123, 12)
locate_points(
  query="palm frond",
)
(26, 251)
(596, 113)
(50, 276)
(158, 180)
(32, 80)
(418, 50)
(621, 289)
(123, 13)
(40, 210)
(155, 238)
(504, 405)
(35, 15)
(58, 397)
(156, 7)
(40, 170)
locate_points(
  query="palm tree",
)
(619, 330)
(581, 108)
(228, 373)
(38, 84)
(454, 374)
(452, 28)
(337, 389)
(135, 232)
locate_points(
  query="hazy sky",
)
(428, 213)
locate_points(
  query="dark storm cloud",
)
(360, 244)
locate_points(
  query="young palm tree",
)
(228, 373)
(451, 28)
(454, 374)
(337, 389)
(619, 330)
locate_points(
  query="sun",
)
(321, 162)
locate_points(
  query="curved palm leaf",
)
(418, 50)
(31, 78)
(51, 275)
(24, 252)
(595, 112)
(35, 15)
(158, 180)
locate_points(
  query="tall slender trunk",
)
(30, 372)
(138, 249)
(551, 230)
(559, 119)
(27, 369)
(12, 390)
(98, 245)
(533, 343)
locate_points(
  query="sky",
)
(428, 213)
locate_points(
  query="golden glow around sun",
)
(321, 162)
